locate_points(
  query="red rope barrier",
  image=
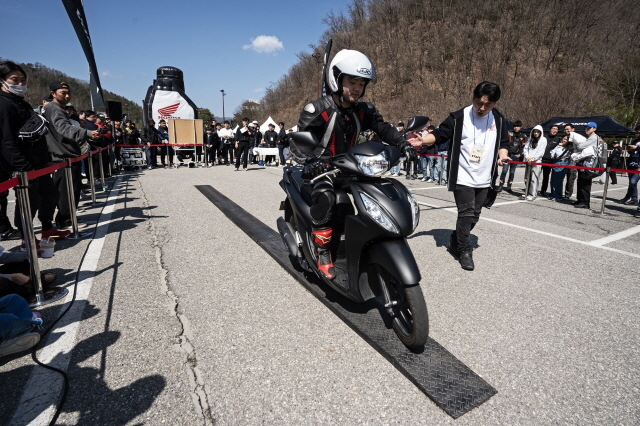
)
(41, 172)
(8, 184)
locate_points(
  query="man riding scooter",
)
(336, 120)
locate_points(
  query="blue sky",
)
(205, 39)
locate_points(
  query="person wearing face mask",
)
(479, 144)
(22, 154)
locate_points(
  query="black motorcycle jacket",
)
(337, 128)
(516, 143)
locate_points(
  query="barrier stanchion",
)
(606, 187)
(100, 164)
(22, 193)
(441, 169)
(68, 176)
(91, 178)
(109, 154)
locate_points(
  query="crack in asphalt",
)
(196, 380)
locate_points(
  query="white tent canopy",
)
(265, 125)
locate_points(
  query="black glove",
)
(314, 168)
(410, 152)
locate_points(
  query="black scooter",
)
(371, 256)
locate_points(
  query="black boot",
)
(509, 187)
(466, 260)
(499, 188)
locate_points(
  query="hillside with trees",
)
(551, 58)
(39, 77)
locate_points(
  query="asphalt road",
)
(183, 319)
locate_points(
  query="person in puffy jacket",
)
(533, 152)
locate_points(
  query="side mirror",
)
(417, 122)
(303, 144)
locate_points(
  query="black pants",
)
(164, 151)
(152, 156)
(614, 178)
(211, 154)
(571, 178)
(469, 202)
(227, 153)
(546, 172)
(64, 211)
(43, 198)
(584, 190)
(243, 148)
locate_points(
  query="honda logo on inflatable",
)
(169, 110)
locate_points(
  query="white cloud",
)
(107, 73)
(259, 90)
(264, 44)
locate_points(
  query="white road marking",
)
(509, 202)
(595, 243)
(430, 187)
(615, 237)
(41, 394)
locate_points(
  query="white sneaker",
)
(530, 198)
(19, 343)
(244, 169)
(236, 169)
(424, 179)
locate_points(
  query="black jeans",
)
(546, 171)
(227, 153)
(166, 151)
(469, 202)
(584, 190)
(571, 178)
(59, 180)
(243, 148)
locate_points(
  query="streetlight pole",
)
(223, 95)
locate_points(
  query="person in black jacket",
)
(479, 144)
(244, 137)
(151, 136)
(552, 141)
(336, 120)
(517, 139)
(283, 142)
(211, 142)
(271, 139)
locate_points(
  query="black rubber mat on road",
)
(435, 371)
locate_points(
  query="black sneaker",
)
(466, 260)
(12, 234)
(581, 206)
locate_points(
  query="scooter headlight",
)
(415, 210)
(377, 213)
(373, 165)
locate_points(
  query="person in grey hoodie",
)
(65, 141)
(533, 152)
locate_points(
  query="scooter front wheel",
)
(409, 316)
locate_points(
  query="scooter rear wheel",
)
(410, 319)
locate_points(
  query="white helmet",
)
(349, 62)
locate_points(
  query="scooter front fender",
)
(396, 257)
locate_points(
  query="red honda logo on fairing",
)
(169, 110)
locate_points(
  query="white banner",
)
(170, 106)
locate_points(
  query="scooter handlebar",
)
(330, 172)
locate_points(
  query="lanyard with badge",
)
(478, 151)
